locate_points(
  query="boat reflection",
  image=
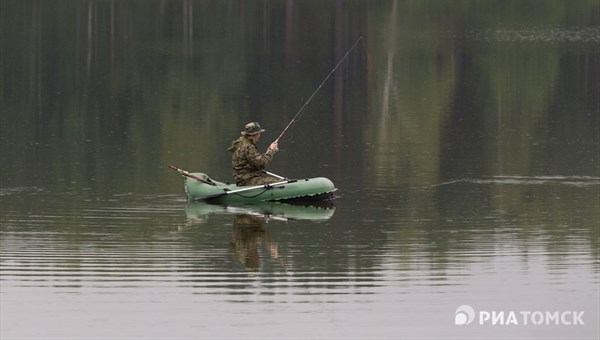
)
(314, 211)
(248, 233)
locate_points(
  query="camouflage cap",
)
(252, 129)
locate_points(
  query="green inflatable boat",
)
(200, 187)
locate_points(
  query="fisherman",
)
(248, 164)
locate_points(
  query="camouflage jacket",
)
(248, 164)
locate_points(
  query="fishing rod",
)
(187, 174)
(303, 108)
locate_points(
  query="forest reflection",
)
(104, 93)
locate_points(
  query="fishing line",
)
(303, 108)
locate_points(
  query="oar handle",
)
(274, 175)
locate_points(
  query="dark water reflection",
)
(463, 138)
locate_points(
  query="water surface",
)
(462, 136)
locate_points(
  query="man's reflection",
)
(247, 237)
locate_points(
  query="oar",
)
(274, 175)
(229, 192)
(187, 174)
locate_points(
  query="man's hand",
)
(273, 147)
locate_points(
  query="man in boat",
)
(249, 164)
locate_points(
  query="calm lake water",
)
(462, 137)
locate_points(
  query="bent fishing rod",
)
(303, 108)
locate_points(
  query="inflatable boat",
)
(200, 187)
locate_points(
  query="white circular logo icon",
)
(464, 315)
